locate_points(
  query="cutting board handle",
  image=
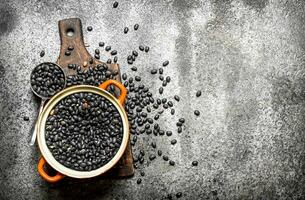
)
(71, 34)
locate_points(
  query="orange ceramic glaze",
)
(51, 179)
(119, 85)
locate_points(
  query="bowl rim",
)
(46, 153)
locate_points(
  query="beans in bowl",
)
(84, 131)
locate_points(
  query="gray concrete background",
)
(247, 57)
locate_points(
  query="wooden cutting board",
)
(71, 34)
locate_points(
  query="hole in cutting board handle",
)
(70, 32)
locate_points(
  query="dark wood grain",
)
(78, 56)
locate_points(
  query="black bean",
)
(115, 4)
(101, 44)
(67, 53)
(139, 181)
(26, 118)
(42, 53)
(70, 48)
(135, 53)
(130, 62)
(97, 56)
(180, 129)
(165, 63)
(107, 48)
(165, 106)
(89, 28)
(155, 132)
(173, 142)
(142, 173)
(143, 114)
(146, 49)
(124, 76)
(136, 26)
(160, 70)
(169, 133)
(113, 52)
(141, 48)
(164, 100)
(182, 120)
(196, 112)
(115, 59)
(135, 159)
(170, 104)
(161, 78)
(156, 117)
(138, 78)
(198, 93)
(155, 106)
(126, 29)
(97, 51)
(165, 158)
(168, 79)
(152, 157)
(109, 61)
(195, 163)
(179, 195)
(159, 153)
(150, 120)
(134, 68)
(161, 90)
(172, 163)
(156, 126)
(139, 109)
(154, 145)
(153, 71)
(134, 138)
(177, 98)
(172, 111)
(130, 80)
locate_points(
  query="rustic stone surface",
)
(245, 56)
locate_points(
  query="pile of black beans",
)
(92, 75)
(84, 131)
(47, 79)
(143, 108)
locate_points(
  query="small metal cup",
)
(43, 99)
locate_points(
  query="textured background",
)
(247, 57)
